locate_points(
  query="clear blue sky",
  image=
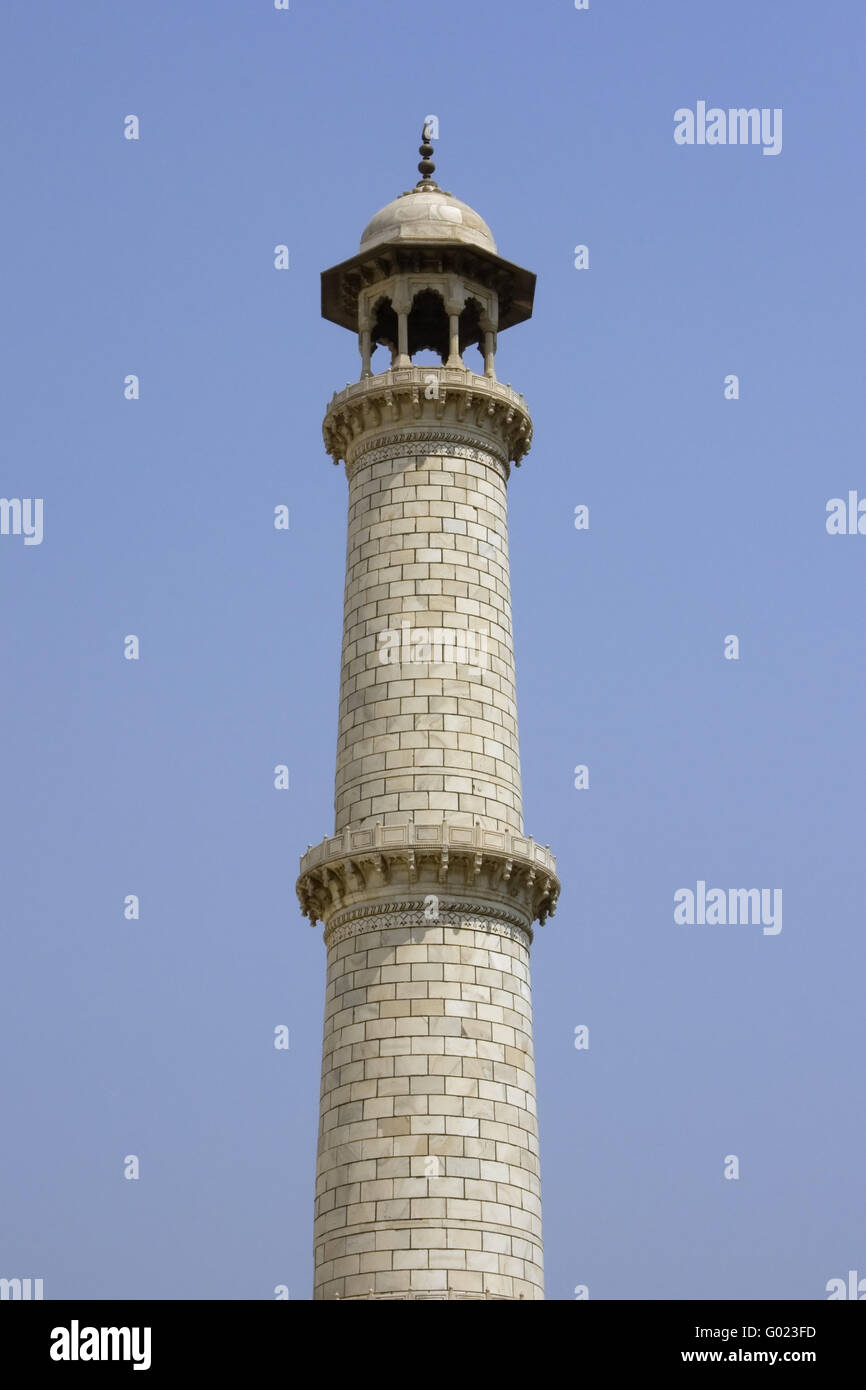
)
(155, 257)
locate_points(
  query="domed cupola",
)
(427, 276)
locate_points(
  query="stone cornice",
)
(366, 870)
(429, 403)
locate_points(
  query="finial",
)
(426, 166)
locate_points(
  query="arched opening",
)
(381, 358)
(470, 331)
(428, 325)
(384, 330)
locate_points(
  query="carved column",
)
(365, 344)
(402, 304)
(453, 309)
(488, 326)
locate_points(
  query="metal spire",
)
(426, 166)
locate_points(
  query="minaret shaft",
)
(428, 724)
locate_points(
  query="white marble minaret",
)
(428, 1173)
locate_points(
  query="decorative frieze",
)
(414, 916)
(441, 443)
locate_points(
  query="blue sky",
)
(707, 518)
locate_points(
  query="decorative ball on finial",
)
(425, 149)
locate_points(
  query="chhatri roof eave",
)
(520, 282)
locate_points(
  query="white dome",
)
(428, 215)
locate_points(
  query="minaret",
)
(428, 1173)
